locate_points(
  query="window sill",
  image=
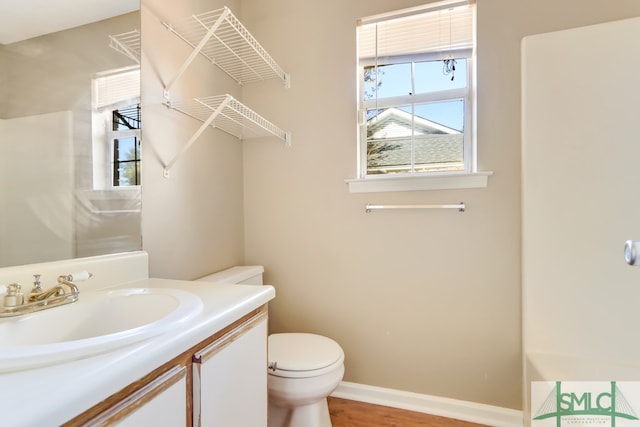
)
(445, 181)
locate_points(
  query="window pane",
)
(126, 148)
(418, 138)
(439, 138)
(389, 134)
(446, 113)
(126, 166)
(387, 81)
(432, 76)
(128, 174)
(127, 118)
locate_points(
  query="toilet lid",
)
(302, 352)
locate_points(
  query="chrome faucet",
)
(64, 292)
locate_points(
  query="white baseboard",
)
(457, 409)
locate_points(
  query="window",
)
(416, 91)
(117, 124)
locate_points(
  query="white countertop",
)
(52, 395)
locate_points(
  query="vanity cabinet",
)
(166, 408)
(162, 402)
(227, 398)
(221, 381)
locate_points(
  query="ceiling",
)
(24, 19)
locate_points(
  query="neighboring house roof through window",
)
(434, 145)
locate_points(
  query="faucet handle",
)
(37, 287)
(13, 296)
(75, 277)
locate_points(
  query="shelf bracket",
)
(196, 135)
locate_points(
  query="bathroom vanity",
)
(208, 383)
(208, 368)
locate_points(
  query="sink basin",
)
(99, 321)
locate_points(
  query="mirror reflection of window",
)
(117, 124)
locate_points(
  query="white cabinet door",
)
(230, 379)
(161, 403)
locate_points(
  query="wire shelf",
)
(222, 39)
(231, 116)
(226, 113)
(128, 44)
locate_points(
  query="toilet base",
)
(312, 415)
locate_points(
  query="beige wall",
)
(192, 221)
(424, 301)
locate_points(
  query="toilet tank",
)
(246, 274)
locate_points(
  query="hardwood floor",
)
(349, 413)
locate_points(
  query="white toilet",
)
(303, 368)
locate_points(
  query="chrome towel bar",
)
(369, 207)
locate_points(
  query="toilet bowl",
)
(303, 369)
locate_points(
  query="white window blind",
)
(116, 88)
(436, 31)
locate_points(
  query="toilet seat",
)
(299, 355)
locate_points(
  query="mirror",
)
(69, 129)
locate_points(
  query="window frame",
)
(470, 177)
